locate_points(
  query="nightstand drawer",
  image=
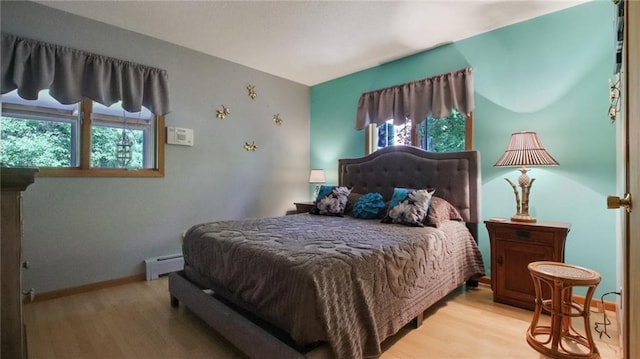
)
(505, 233)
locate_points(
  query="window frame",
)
(371, 134)
(84, 168)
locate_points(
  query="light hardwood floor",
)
(135, 320)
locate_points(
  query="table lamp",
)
(316, 177)
(525, 149)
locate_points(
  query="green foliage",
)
(46, 143)
(103, 147)
(33, 143)
(446, 134)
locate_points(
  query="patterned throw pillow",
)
(369, 206)
(408, 206)
(331, 201)
(440, 211)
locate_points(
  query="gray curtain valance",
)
(71, 75)
(434, 96)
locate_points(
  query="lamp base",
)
(522, 206)
(523, 218)
(315, 194)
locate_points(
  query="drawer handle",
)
(523, 234)
(499, 260)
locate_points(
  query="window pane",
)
(390, 135)
(403, 134)
(107, 141)
(40, 132)
(445, 134)
(386, 134)
(36, 143)
(121, 139)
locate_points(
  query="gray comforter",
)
(346, 281)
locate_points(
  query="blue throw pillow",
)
(369, 206)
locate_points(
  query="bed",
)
(315, 286)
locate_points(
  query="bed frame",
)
(456, 178)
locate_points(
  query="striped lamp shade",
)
(525, 149)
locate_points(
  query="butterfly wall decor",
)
(250, 146)
(223, 113)
(277, 119)
(252, 91)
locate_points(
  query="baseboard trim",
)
(88, 287)
(611, 306)
(595, 303)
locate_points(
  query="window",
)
(449, 134)
(82, 139)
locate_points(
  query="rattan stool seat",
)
(560, 339)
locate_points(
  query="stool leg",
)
(538, 307)
(556, 316)
(535, 332)
(587, 325)
(567, 300)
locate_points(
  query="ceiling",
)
(310, 42)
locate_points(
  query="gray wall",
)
(85, 230)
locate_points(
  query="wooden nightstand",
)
(303, 207)
(513, 246)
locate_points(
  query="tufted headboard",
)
(454, 175)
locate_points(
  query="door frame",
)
(631, 226)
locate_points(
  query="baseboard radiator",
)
(163, 265)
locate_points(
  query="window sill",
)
(99, 172)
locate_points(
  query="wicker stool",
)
(561, 339)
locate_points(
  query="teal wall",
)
(548, 75)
